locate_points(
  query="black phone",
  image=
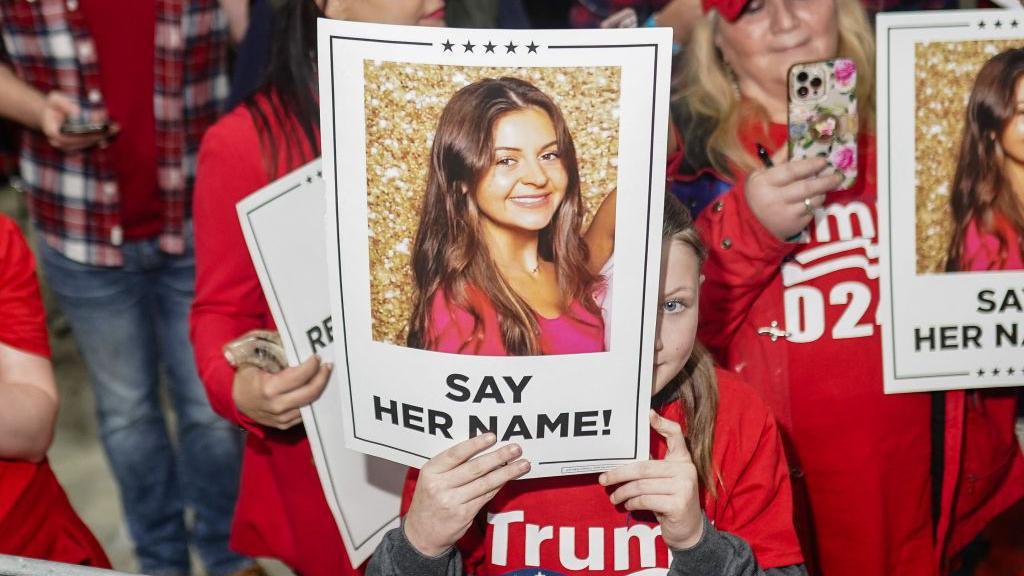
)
(78, 128)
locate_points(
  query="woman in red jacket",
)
(281, 510)
(36, 519)
(875, 487)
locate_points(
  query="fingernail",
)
(515, 450)
(490, 438)
(328, 365)
(523, 465)
(602, 479)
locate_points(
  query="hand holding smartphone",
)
(823, 114)
(82, 128)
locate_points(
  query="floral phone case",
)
(823, 114)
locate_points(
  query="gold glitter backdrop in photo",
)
(403, 102)
(943, 81)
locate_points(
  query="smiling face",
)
(1012, 138)
(526, 180)
(772, 35)
(406, 12)
(677, 311)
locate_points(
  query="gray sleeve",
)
(724, 554)
(397, 557)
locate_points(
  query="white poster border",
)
(354, 43)
(910, 300)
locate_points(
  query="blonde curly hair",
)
(709, 109)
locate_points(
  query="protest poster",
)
(952, 281)
(447, 150)
(283, 228)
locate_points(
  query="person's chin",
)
(659, 382)
(803, 54)
(533, 224)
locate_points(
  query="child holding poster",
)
(499, 263)
(281, 511)
(714, 499)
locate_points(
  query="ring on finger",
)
(808, 207)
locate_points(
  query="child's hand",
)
(784, 197)
(666, 487)
(452, 489)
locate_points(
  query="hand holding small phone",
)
(785, 196)
(83, 128)
(823, 117)
(59, 121)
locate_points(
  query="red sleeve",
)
(23, 324)
(229, 301)
(37, 521)
(743, 256)
(755, 476)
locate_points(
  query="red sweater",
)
(861, 458)
(281, 509)
(126, 72)
(567, 524)
(36, 519)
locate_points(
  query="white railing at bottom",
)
(19, 566)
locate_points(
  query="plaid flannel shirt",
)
(75, 200)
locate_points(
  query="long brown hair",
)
(696, 386)
(284, 108)
(979, 190)
(449, 253)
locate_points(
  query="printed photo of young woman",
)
(969, 133)
(987, 195)
(502, 244)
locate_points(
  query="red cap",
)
(728, 9)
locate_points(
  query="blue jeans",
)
(128, 323)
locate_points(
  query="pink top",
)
(982, 249)
(451, 329)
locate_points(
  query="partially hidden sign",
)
(283, 228)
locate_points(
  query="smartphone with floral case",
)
(823, 114)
